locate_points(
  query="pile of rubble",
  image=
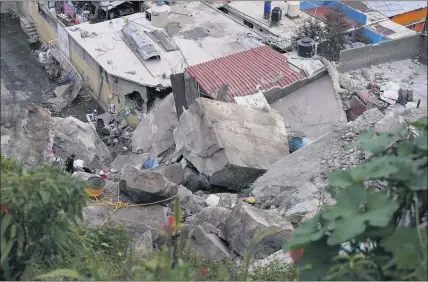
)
(397, 84)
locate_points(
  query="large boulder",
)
(26, 130)
(245, 221)
(135, 160)
(145, 186)
(232, 144)
(207, 245)
(73, 136)
(302, 174)
(135, 220)
(172, 172)
(154, 134)
(214, 216)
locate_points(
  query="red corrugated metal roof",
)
(243, 71)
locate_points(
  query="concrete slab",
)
(312, 109)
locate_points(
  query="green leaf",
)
(340, 178)
(316, 261)
(420, 123)
(355, 209)
(404, 246)
(375, 168)
(307, 232)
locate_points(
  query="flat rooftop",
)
(254, 10)
(391, 29)
(201, 32)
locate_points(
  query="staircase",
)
(29, 28)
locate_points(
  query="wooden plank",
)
(191, 89)
(178, 89)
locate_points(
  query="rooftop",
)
(391, 29)
(393, 8)
(321, 12)
(254, 10)
(244, 73)
(201, 32)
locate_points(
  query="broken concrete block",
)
(73, 136)
(154, 134)
(212, 201)
(357, 107)
(208, 246)
(245, 221)
(145, 186)
(232, 144)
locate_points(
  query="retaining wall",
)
(386, 51)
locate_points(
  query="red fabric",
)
(53, 150)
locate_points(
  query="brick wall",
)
(386, 51)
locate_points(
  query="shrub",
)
(374, 231)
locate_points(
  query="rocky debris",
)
(230, 143)
(183, 192)
(73, 136)
(143, 245)
(82, 175)
(300, 211)
(154, 134)
(225, 200)
(26, 130)
(135, 160)
(194, 180)
(192, 204)
(145, 186)
(136, 220)
(64, 96)
(301, 176)
(243, 223)
(172, 172)
(213, 216)
(208, 246)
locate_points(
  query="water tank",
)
(266, 10)
(159, 14)
(305, 47)
(293, 9)
(276, 15)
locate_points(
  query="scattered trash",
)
(150, 163)
(78, 163)
(390, 92)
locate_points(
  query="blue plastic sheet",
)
(297, 143)
(150, 163)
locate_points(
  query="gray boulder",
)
(154, 134)
(207, 245)
(245, 221)
(232, 144)
(135, 160)
(143, 245)
(145, 186)
(172, 172)
(214, 216)
(183, 192)
(194, 181)
(26, 130)
(226, 200)
(135, 220)
(73, 136)
(63, 97)
(192, 204)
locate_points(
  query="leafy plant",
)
(38, 207)
(374, 231)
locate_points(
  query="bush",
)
(38, 207)
(374, 230)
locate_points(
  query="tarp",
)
(150, 163)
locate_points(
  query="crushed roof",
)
(393, 8)
(244, 73)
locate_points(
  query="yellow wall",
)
(46, 32)
(411, 17)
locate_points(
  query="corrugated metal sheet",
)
(244, 72)
(393, 8)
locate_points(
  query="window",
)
(249, 24)
(412, 27)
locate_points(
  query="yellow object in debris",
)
(94, 192)
(250, 200)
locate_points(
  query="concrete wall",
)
(353, 14)
(386, 51)
(424, 54)
(306, 5)
(277, 93)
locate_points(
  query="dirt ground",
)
(21, 72)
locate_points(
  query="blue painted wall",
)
(374, 36)
(354, 14)
(306, 5)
